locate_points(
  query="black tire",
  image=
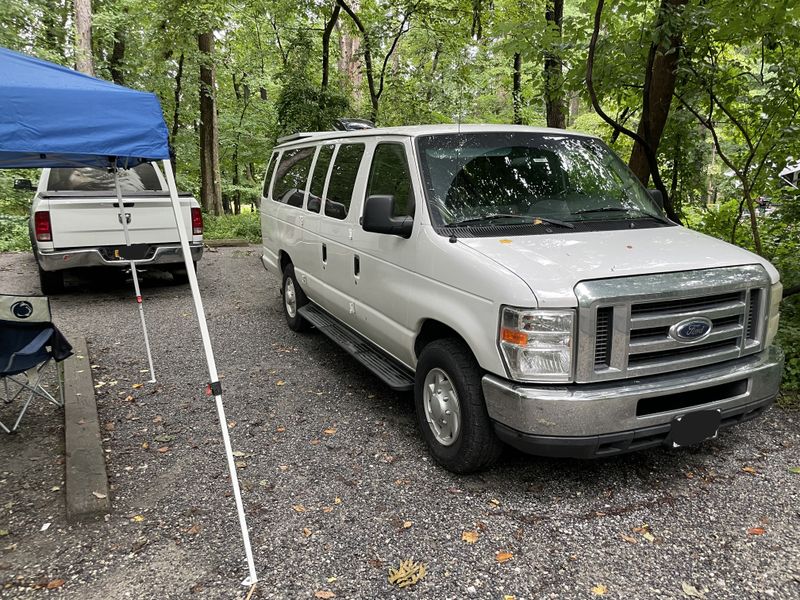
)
(474, 446)
(51, 282)
(295, 321)
(180, 276)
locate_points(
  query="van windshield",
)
(498, 179)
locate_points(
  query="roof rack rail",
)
(352, 124)
(297, 136)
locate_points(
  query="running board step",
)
(392, 373)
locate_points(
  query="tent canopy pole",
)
(214, 384)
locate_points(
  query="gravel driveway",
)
(338, 486)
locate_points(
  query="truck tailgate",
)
(80, 221)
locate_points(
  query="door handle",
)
(324, 253)
(356, 265)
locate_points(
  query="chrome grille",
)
(624, 324)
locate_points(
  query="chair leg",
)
(22, 412)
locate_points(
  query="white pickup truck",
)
(75, 222)
(524, 284)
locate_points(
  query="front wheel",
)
(293, 299)
(451, 412)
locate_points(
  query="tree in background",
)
(84, 61)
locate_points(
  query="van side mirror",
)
(378, 217)
(23, 184)
(657, 197)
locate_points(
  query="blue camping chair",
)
(29, 342)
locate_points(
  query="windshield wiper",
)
(603, 209)
(496, 216)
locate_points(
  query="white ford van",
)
(524, 284)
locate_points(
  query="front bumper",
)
(614, 417)
(95, 257)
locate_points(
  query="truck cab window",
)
(318, 178)
(389, 175)
(343, 179)
(88, 179)
(291, 176)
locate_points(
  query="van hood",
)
(552, 264)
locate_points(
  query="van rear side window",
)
(343, 179)
(268, 174)
(318, 179)
(291, 176)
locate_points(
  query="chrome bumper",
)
(92, 257)
(608, 408)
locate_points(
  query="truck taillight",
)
(197, 221)
(41, 224)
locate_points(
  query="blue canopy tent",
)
(51, 116)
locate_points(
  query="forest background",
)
(701, 97)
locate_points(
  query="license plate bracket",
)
(695, 427)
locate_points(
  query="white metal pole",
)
(214, 385)
(123, 218)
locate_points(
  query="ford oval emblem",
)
(691, 330)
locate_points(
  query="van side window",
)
(343, 179)
(389, 176)
(268, 175)
(318, 178)
(291, 176)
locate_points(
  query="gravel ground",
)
(338, 486)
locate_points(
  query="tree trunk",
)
(553, 76)
(659, 87)
(210, 188)
(83, 37)
(516, 93)
(326, 46)
(176, 114)
(118, 57)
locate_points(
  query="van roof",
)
(415, 131)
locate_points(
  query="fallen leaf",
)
(281, 429)
(314, 442)
(509, 597)
(194, 529)
(756, 531)
(751, 470)
(163, 449)
(331, 579)
(238, 453)
(136, 386)
(691, 591)
(145, 445)
(55, 584)
(502, 557)
(324, 594)
(129, 399)
(599, 590)
(3, 532)
(283, 467)
(494, 502)
(137, 518)
(98, 495)
(408, 573)
(240, 464)
(329, 431)
(628, 538)
(55, 488)
(327, 509)
(306, 532)
(337, 500)
(299, 508)
(110, 426)
(470, 537)
(649, 537)
(163, 438)
(231, 424)
(158, 419)
(280, 382)
(795, 470)
(407, 524)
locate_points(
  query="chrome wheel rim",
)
(442, 408)
(290, 298)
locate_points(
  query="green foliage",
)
(245, 226)
(14, 233)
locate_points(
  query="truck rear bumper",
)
(96, 257)
(613, 417)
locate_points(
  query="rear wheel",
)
(51, 282)
(293, 299)
(451, 412)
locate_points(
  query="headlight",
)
(537, 344)
(775, 297)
